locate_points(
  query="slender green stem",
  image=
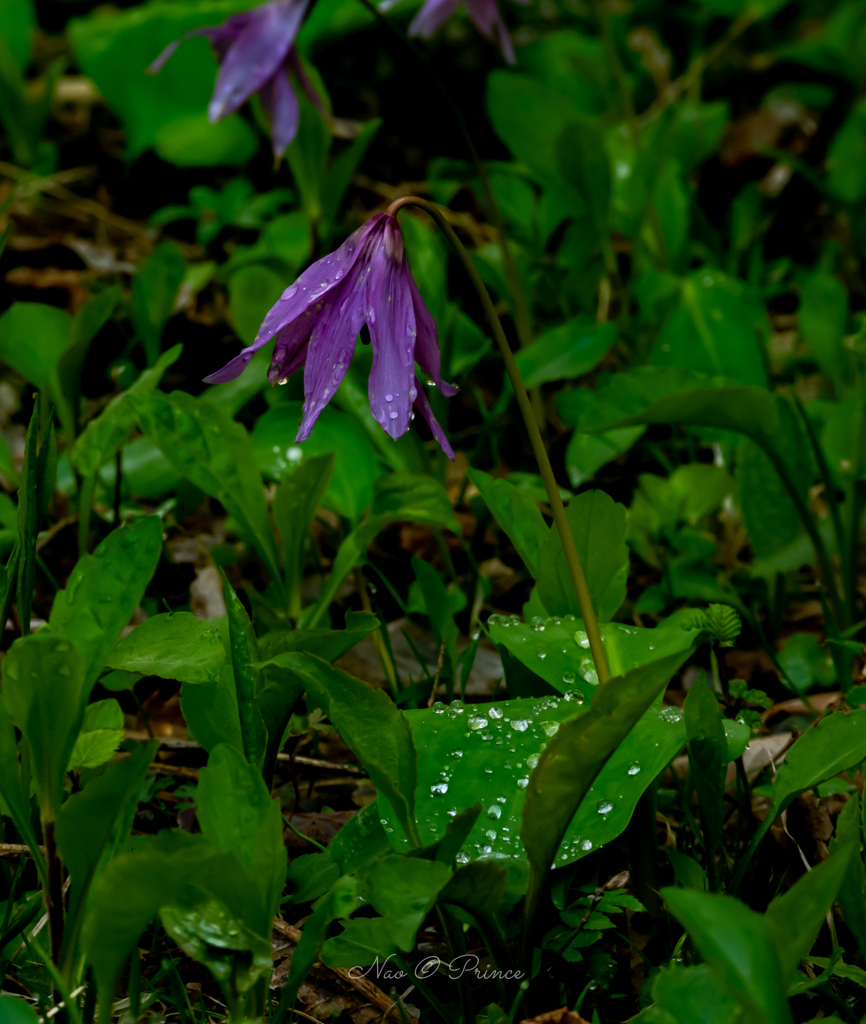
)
(596, 646)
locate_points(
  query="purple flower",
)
(484, 14)
(316, 322)
(256, 51)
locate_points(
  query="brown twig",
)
(362, 985)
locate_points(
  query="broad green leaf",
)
(12, 789)
(94, 822)
(356, 465)
(479, 887)
(516, 514)
(253, 289)
(845, 157)
(570, 350)
(212, 451)
(438, 606)
(154, 291)
(794, 918)
(211, 711)
(165, 111)
(822, 317)
(296, 501)
(45, 688)
(587, 453)
(715, 328)
(769, 516)
(238, 816)
(33, 336)
(598, 525)
(94, 747)
(708, 758)
(557, 649)
(14, 1010)
(835, 743)
(491, 766)
(103, 436)
(734, 941)
(372, 726)
(127, 895)
(576, 754)
(852, 891)
(208, 933)
(690, 994)
(243, 651)
(328, 644)
(17, 21)
(103, 591)
(173, 645)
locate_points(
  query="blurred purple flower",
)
(256, 50)
(316, 322)
(484, 14)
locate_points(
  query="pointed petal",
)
(391, 319)
(426, 343)
(290, 349)
(259, 50)
(487, 19)
(316, 281)
(281, 106)
(422, 405)
(332, 346)
(212, 32)
(431, 17)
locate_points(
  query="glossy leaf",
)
(296, 501)
(328, 644)
(516, 514)
(578, 751)
(173, 645)
(213, 452)
(852, 891)
(14, 1010)
(211, 711)
(735, 943)
(372, 726)
(486, 755)
(570, 350)
(103, 591)
(694, 993)
(45, 689)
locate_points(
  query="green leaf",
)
(94, 823)
(154, 290)
(45, 689)
(735, 943)
(342, 170)
(845, 157)
(165, 111)
(355, 463)
(37, 485)
(103, 591)
(558, 650)
(208, 933)
(438, 606)
(14, 1010)
(570, 350)
(689, 994)
(769, 516)
(598, 526)
(211, 711)
(103, 436)
(307, 157)
(13, 791)
(822, 318)
(578, 751)
(238, 816)
(852, 891)
(328, 644)
(243, 650)
(587, 453)
(212, 451)
(516, 514)
(296, 501)
(33, 337)
(372, 726)
(94, 747)
(253, 289)
(708, 758)
(173, 645)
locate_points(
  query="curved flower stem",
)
(599, 656)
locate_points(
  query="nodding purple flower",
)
(484, 14)
(316, 321)
(256, 50)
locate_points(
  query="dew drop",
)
(457, 753)
(586, 845)
(519, 725)
(476, 723)
(389, 398)
(670, 715)
(495, 712)
(394, 415)
(438, 708)
(532, 761)
(462, 858)
(550, 728)
(491, 834)
(605, 807)
(538, 624)
(440, 789)
(633, 768)
(568, 678)
(542, 654)
(494, 811)
(523, 783)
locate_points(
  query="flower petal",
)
(259, 50)
(431, 17)
(391, 319)
(422, 405)
(487, 19)
(426, 343)
(281, 106)
(219, 35)
(316, 281)
(290, 349)
(332, 346)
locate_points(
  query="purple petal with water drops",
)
(281, 106)
(260, 48)
(332, 346)
(233, 368)
(316, 281)
(422, 405)
(290, 349)
(426, 342)
(487, 19)
(391, 319)
(431, 17)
